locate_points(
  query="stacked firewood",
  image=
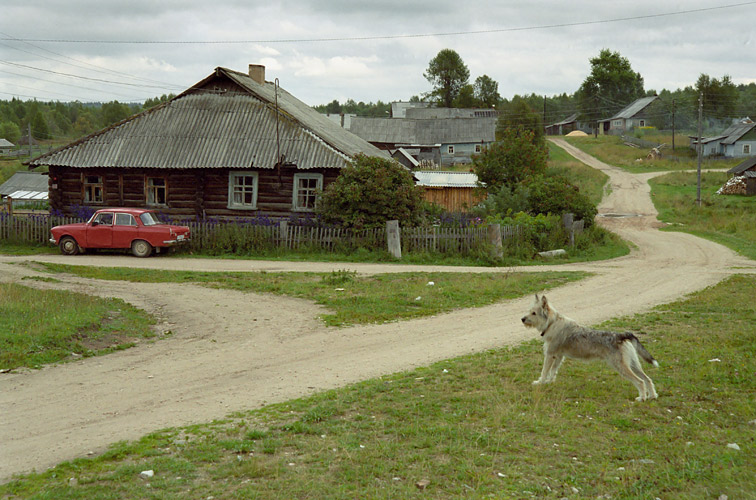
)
(734, 185)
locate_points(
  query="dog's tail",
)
(642, 352)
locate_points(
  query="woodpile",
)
(734, 185)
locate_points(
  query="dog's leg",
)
(650, 390)
(548, 361)
(623, 367)
(556, 363)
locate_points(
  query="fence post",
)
(393, 238)
(568, 219)
(283, 231)
(494, 239)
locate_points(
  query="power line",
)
(385, 37)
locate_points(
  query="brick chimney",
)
(257, 73)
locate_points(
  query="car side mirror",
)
(94, 223)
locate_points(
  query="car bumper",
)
(53, 241)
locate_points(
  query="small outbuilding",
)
(745, 173)
(455, 191)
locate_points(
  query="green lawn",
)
(474, 427)
(727, 219)
(611, 150)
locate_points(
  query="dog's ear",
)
(544, 303)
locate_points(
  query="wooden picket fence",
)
(230, 236)
(30, 228)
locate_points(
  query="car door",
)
(124, 230)
(100, 231)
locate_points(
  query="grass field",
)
(39, 327)
(590, 181)
(475, 427)
(611, 150)
(727, 219)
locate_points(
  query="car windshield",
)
(149, 219)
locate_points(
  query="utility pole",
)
(30, 150)
(673, 126)
(700, 148)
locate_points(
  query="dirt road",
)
(233, 351)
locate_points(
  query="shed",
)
(747, 171)
(23, 188)
(455, 191)
(5, 146)
(233, 145)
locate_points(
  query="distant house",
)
(23, 188)
(5, 146)
(738, 140)
(565, 126)
(455, 191)
(629, 117)
(747, 171)
(447, 141)
(233, 145)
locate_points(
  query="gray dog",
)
(564, 337)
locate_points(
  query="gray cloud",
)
(669, 51)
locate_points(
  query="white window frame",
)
(152, 191)
(296, 189)
(94, 189)
(478, 148)
(232, 176)
(746, 149)
(450, 149)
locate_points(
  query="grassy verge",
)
(611, 150)
(589, 180)
(354, 299)
(38, 327)
(727, 219)
(474, 427)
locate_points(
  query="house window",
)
(93, 188)
(746, 149)
(641, 123)
(306, 190)
(156, 191)
(478, 148)
(242, 190)
(451, 150)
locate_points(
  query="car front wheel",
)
(68, 246)
(141, 248)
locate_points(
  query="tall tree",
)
(611, 86)
(518, 116)
(720, 97)
(448, 74)
(487, 91)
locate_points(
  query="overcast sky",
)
(102, 50)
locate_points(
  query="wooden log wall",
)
(191, 193)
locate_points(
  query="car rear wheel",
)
(141, 248)
(68, 246)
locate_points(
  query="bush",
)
(371, 191)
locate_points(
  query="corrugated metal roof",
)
(733, 133)
(743, 166)
(202, 129)
(446, 179)
(425, 131)
(26, 181)
(633, 108)
(28, 195)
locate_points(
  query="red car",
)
(128, 228)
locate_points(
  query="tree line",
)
(611, 85)
(62, 121)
